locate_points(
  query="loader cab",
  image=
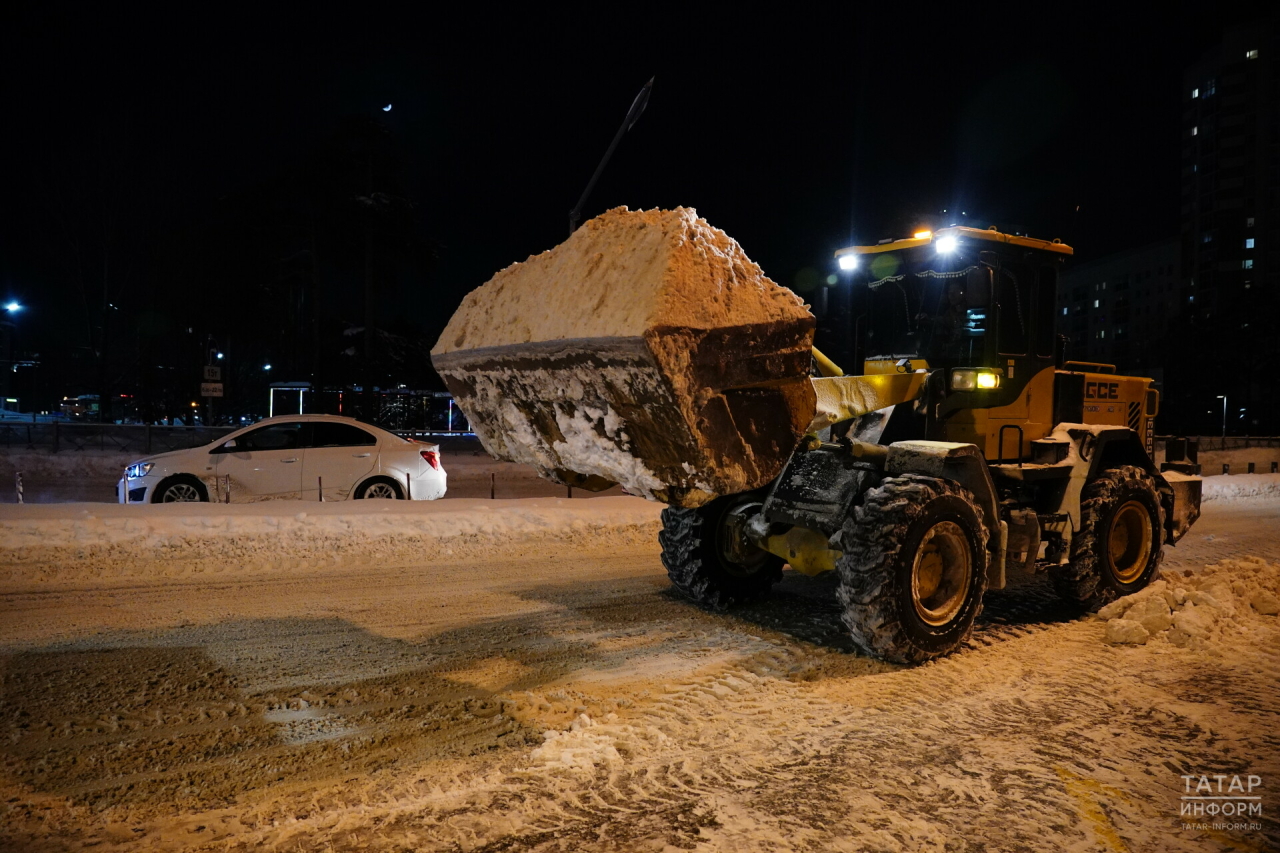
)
(974, 308)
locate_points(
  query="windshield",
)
(937, 315)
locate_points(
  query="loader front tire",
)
(1119, 546)
(913, 570)
(707, 559)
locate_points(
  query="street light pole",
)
(1223, 398)
(633, 115)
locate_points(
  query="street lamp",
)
(13, 307)
(1223, 398)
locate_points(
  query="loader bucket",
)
(646, 350)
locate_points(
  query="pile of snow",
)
(1194, 610)
(588, 743)
(1233, 486)
(67, 543)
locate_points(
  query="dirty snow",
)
(44, 542)
(543, 691)
(1196, 609)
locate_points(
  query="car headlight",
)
(138, 470)
(974, 379)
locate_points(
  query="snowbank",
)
(67, 543)
(1234, 486)
(1194, 610)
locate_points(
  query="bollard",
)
(1226, 467)
(226, 494)
(408, 494)
(1275, 467)
(1250, 467)
(320, 488)
(18, 483)
(570, 488)
(491, 482)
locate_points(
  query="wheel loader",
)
(648, 350)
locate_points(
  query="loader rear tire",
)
(706, 559)
(913, 570)
(1119, 546)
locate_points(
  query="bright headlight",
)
(848, 262)
(947, 244)
(138, 470)
(972, 379)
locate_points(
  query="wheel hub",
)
(738, 556)
(181, 493)
(1129, 541)
(942, 573)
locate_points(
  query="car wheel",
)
(380, 487)
(180, 490)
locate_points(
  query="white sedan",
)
(311, 457)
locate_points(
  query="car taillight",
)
(432, 457)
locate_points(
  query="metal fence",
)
(126, 438)
(1230, 442)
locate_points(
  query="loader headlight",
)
(946, 245)
(848, 262)
(973, 379)
(139, 470)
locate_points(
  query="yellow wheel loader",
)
(648, 350)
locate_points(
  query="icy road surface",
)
(525, 681)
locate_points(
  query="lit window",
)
(1207, 238)
(1195, 130)
(1195, 93)
(1247, 263)
(1191, 298)
(1248, 242)
(1095, 303)
(1064, 312)
(1102, 333)
(1250, 54)
(1248, 222)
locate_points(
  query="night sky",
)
(796, 134)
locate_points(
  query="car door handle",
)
(294, 459)
(361, 455)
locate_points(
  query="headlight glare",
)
(138, 470)
(973, 379)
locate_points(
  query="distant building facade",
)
(1230, 235)
(1231, 169)
(1118, 309)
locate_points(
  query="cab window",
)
(275, 437)
(339, 435)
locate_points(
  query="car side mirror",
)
(977, 287)
(227, 447)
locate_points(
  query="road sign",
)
(210, 389)
(212, 373)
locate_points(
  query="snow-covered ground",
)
(516, 675)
